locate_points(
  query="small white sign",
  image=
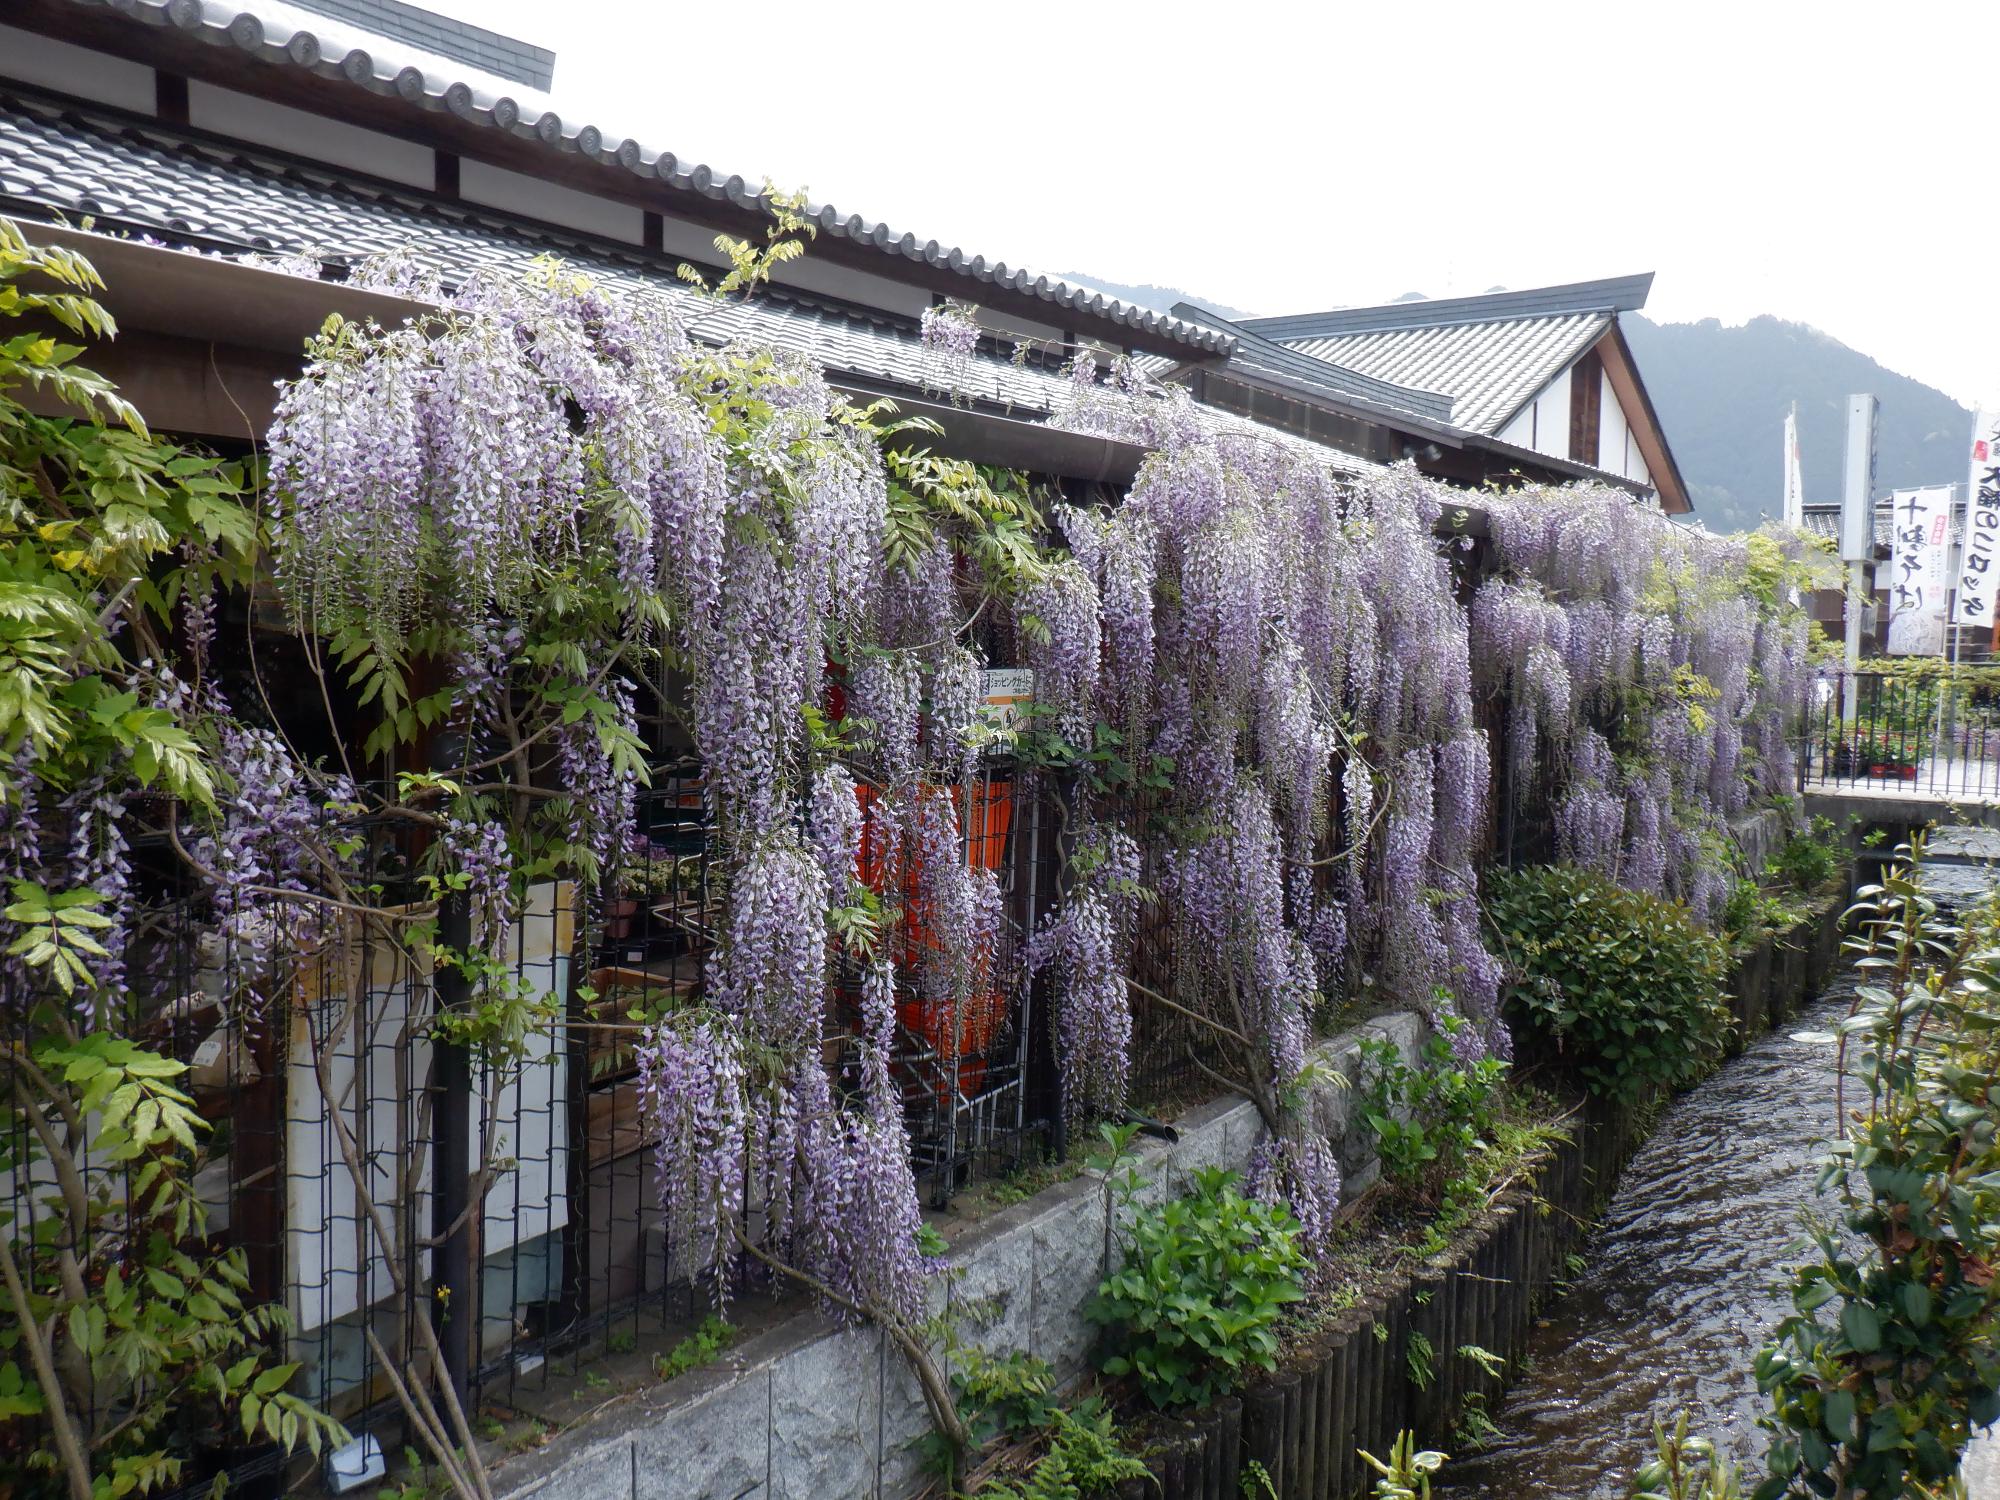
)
(1009, 691)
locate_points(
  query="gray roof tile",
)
(270, 34)
(149, 179)
(1491, 370)
(1492, 353)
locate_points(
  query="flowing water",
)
(1677, 1295)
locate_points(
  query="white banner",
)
(1979, 572)
(1919, 570)
(1795, 481)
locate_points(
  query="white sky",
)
(1834, 163)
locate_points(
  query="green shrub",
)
(1197, 1301)
(1810, 860)
(1625, 989)
(1751, 912)
(1429, 1119)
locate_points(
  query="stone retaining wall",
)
(814, 1411)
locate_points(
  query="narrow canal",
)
(1677, 1293)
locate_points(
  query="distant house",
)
(1541, 382)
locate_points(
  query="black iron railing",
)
(1920, 733)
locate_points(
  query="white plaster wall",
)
(1521, 431)
(1614, 434)
(1552, 418)
(854, 286)
(551, 203)
(315, 137)
(28, 58)
(1618, 448)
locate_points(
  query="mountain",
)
(1145, 294)
(1721, 394)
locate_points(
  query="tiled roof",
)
(1492, 370)
(1266, 360)
(273, 33)
(489, 51)
(1493, 353)
(148, 179)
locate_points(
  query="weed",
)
(696, 1350)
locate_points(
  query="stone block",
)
(1069, 1263)
(601, 1473)
(826, 1417)
(1204, 1143)
(715, 1447)
(906, 1421)
(1242, 1128)
(994, 1292)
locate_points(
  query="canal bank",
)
(1431, 1345)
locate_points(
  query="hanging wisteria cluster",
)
(1649, 674)
(550, 487)
(1285, 636)
(1269, 649)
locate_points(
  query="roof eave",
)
(184, 295)
(1360, 411)
(456, 119)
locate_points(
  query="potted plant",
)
(637, 880)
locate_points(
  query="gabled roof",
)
(275, 34)
(1493, 353)
(1266, 359)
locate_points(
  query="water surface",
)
(1679, 1292)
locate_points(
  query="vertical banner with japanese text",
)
(1979, 570)
(1919, 570)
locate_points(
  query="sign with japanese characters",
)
(1009, 691)
(1979, 568)
(1919, 570)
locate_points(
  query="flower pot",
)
(1878, 770)
(618, 915)
(1908, 773)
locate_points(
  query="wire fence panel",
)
(324, 1075)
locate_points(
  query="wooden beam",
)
(1623, 372)
(222, 392)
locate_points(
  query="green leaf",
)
(1862, 1326)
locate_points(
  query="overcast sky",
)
(1834, 163)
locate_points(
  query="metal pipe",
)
(451, 1120)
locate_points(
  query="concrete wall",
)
(813, 1411)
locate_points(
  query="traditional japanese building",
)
(341, 128)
